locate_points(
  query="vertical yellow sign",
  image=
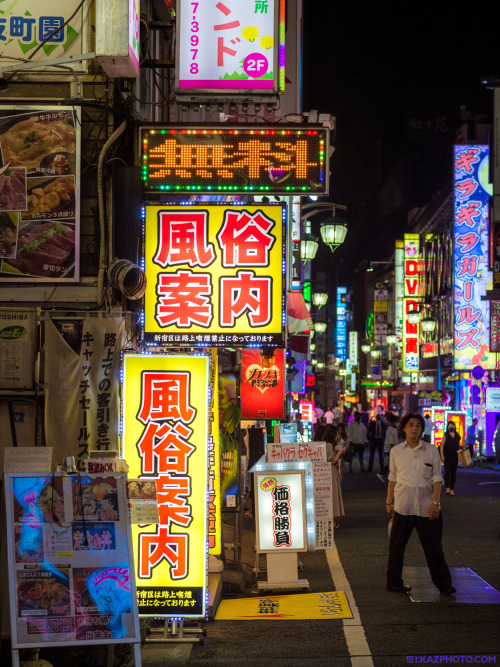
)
(214, 507)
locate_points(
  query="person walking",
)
(449, 449)
(333, 455)
(357, 440)
(413, 502)
(376, 437)
(329, 416)
(471, 439)
(391, 440)
(341, 447)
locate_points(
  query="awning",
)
(298, 315)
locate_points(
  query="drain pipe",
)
(103, 259)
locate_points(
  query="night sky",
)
(395, 82)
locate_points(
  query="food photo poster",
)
(39, 194)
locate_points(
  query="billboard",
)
(230, 50)
(39, 194)
(231, 159)
(413, 291)
(263, 384)
(165, 441)
(472, 278)
(215, 275)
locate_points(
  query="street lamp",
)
(333, 232)
(319, 299)
(366, 347)
(320, 365)
(308, 247)
(391, 339)
(320, 327)
(428, 324)
(375, 352)
(413, 316)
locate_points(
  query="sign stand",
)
(282, 571)
(174, 631)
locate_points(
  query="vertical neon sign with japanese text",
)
(215, 275)
(341, 338)
(165, 439)
(471, 275)
(413, 290)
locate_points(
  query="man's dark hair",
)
(412, 415)
(357, 416)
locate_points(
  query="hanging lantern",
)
(308, 247)
(320, 327)
(312, 346)
(391, 339)
(413, 316)
(366, 347)
(320, 365)
(376, 353)
(428, 324)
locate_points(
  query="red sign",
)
(263, 384)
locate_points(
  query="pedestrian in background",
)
(450, 448)
(391, 440)
(356, 432)
(342, 447)
(429, 428)
(413, 502)
(471, 439)
(333, 455)
(376, 437)
(329, 416)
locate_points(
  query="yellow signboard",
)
(214, 496)
(165, 440)
(330, 605)
(215, 275)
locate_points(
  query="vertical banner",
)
(82, 365)
(438, 416)
(263, 384)
(398, 288)
(214, 496)
(413, 290)
(165, 438)
(472, 277)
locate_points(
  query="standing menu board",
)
(69, 571)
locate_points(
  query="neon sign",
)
(471, 275)
(235, 159)
(412, 298)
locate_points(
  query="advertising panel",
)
(494, 326)
(438, 416)
(280, 499)
(492, 399)
(459, 419)
(231, 159)
(398, 288)
(215, 275)
(70, 560)
(341, 336)
(61, 27)
(413, 291)
(17, 348)
(39, 194)
(263, 384)
(229, 49)
(472, 278)
(214, 464)
(165, 440)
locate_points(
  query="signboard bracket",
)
(174, 631)
(282, 569)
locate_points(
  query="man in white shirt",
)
(413, 501)
(329, 416)
(356, 432)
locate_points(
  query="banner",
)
(215, 275)
(165, 441)
(40, 194)
(82, 364)
(263, 384)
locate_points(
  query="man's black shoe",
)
(447, 590)
(398, 588)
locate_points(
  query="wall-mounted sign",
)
(61, 27)
(263, 384)
(165, 441)
(413, 291)
(472, 278)
(215, 275)
(341, 329)
(39, 194)
(280, 508)
(117, 37)
(398, 288)
(492, 399)
(231, 159)
(495, 326)
(438, 416)
(230, 50)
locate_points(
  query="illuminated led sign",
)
(262, 384)
(230, 50)
(229, 159)
(341, 338)
(215, 275)
(165, 441)
(413, 291)
(471, 275)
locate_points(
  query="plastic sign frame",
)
(215, 275)
(230, 53)
(165, 439)
(235, 159)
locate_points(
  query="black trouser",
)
(376, 445)
(450, 472)
(385, 471)
(430, 533)
(471, 450)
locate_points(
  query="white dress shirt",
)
(391, 438)
(357, 433)
(414, 471)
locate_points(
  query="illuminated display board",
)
(215, 275)
(471, 275)
(214, 465)
(262, 384)
(280, 508)
(398, 288)
(438, 416)
(231, 159)
(459, 419)
(413, 291)
(165, 440)
(228, 49)
(341, 337)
